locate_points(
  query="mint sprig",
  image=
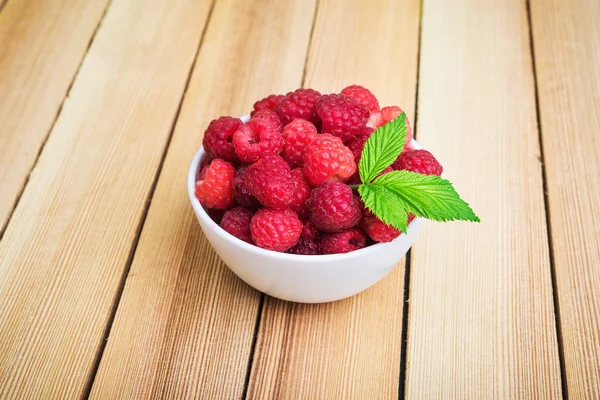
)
(382, 148)
(391, 196)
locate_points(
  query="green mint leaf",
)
(385, 204)
(427, 196)
(382, 148)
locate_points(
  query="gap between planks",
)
(557, 319)
(2, 4)
(140, 227)
(405, 308)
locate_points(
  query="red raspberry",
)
(241, 193)
(237, 222)
(363, 96)
(375, 120)
(419, 161)
(366, 132)
(356, 146)
(257, 139)
(299, 104)
(268, 103)
(269, 116)
(214, 188)
(277, 230)
(390, 113)
(343, 242)
(342, 116)
(218, 135)
(296, 135)
(301, 192)
(310, 241)
(376, 229)
(409, 135)
(332, 207)
(270, 181)
(386, 115)
(327, 159)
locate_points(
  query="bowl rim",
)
(202, 214)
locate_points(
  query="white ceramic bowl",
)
(303, 279)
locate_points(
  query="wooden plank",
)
(64, 251)
(350, 348)
(567, 51)
(185, 324)
(481, 318)
(41, 46)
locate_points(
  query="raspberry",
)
(270, 181)
(375, 120)
(237, 222)
(363, 96)
(241, 193)
(390, 113)
(343, 242)
(217, 137)
(327, 159)
(296, 135)
(299, 104)
(366, 132)
(332, 207)
(386, 115)
(357, 143)
(342, 116)
(419, 161)
(356, 146)
(310, 241)
(268, 103)
(376, 229)
(277, 230)
(214, 188)
(301, 193)
(255, 139)
(269, 116)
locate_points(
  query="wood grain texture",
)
(350, 348)
(481, 317)
(65, 249)
(41, 45)
(185, 324)
(566, 39)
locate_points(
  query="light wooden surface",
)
(99, 226)
(42, 44)
(350, 348)
(567, 48)
(67, 245)
(482, 293)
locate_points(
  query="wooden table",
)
(108, 289)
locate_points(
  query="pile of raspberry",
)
(281, 180)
